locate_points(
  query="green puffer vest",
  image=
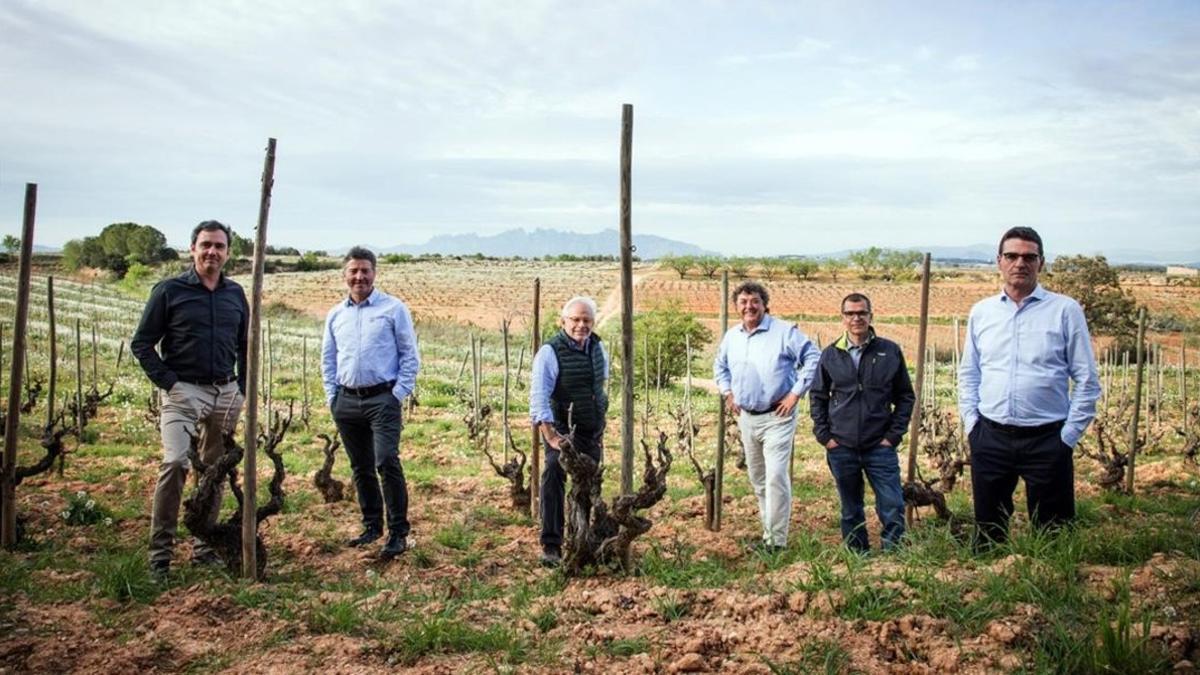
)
(580, 382)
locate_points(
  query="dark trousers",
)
(1000, 454)
(370, 430)
(553, 480)
(881, 465)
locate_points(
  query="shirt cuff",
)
(1070, 437)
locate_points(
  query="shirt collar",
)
(845, 344)
(1039, 293)
(765, 324)
(371, 299)
(192, 278)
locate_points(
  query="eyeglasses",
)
(1027, 257)
(857, 314)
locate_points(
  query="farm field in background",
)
(1120, 591)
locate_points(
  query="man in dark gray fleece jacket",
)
(862, 400)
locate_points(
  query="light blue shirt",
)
(762, 366)
(544, 375)
(1017, 361)
(369, 343)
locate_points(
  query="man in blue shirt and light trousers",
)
(369, 365)
(1022, 420)
(763, 367)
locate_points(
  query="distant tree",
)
(898, 264)
(118, 246)
(802, 269)
(868, 260)
(835, 266)
(282, 250)
(771, 267)
(680, 263)
(709, 265)
(240, 247)
(1109, 309)
(738, 267)
(12, 243)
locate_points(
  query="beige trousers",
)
(208, 411)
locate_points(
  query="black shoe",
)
(208, 558)
(160, 570)
(369, 535)
(551, 556)
(396, 545)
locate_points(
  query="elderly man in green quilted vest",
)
(569, 373)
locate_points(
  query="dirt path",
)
(612, 304)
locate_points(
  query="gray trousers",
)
(187, 409)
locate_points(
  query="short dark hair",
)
(751, 288)
(359, 253)
(1025, 233)
(856, 297)
(213, 226)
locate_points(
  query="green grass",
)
(124, 576)
(455, 536)
(679, 567)
(816, 656)
(444, 633)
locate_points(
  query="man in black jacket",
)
(862, 400)
(198, 321)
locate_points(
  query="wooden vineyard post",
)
(626, 298)
(304, 379)
(504, 404)
(915, 425)
(50, 393)
(78, 383)
(535, 450)
(250, 464)
(720, 468)
(8, 493)
(1137, 398)
(962, 441)
(1182, 383)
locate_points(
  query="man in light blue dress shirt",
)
(763, 367)
(1022, 349)
(369, 365)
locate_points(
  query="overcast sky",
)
(759, 128)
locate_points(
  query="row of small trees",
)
(873, 262)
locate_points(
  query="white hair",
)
(584, 300)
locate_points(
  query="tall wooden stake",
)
(78, 382)
(535, 450)
(8, 493)
(1137, 398)
(53, 386)
(720, 468)
(626, 298)
(250, 464)
(504, 404)
(916, 418)
(304, 377)
(1183, 383)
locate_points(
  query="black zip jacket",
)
(202, 332)
(861, 407)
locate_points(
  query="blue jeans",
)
(882, 468)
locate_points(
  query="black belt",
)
(373, 390)
(770, 408)
(215, 382)
(1015, 430)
